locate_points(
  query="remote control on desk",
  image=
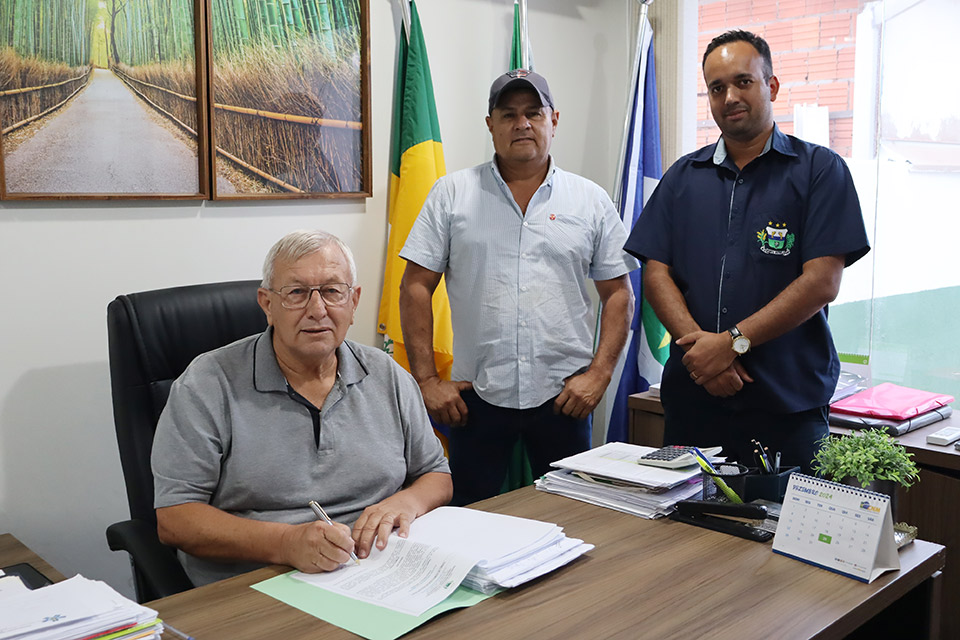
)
(945, 436)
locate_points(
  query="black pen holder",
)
(731, 474)
(766, 486)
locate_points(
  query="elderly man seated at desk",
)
(254, 431)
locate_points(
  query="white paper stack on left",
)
(609, 476)
(74, 608)
(448, 547)
(620, 496)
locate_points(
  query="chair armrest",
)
(155, 563)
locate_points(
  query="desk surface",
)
(12, 551)
(668, 579)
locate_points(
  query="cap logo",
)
(518, 73)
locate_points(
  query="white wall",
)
(60, 479)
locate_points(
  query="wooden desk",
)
(645, 579)
(930, 505)
(12, 551)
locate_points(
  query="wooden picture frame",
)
(289, 98)
(99, 106)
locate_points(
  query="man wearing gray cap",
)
(516, 239)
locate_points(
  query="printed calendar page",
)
(845, 529)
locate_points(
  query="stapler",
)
(739, 520)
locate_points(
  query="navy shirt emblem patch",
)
(776, 239)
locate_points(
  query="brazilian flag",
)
(416, 161)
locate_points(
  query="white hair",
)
(298, 244)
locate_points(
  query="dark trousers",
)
(481, 449)
(795, 435)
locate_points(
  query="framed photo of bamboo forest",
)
(290, 98)
(103, 99)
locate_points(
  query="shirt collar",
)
(267, 375)
(717, 153)
(548, 180)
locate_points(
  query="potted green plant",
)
(868, 458)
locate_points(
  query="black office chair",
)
(153, 336)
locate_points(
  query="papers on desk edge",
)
(609, 476)
(452, 553)
(75, 608)
(618, 461)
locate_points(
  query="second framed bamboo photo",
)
(289, 86)
(103, 99)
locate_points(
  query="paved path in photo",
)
(104, 141)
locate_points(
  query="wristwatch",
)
(741, 343)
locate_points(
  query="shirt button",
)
(523, 358)
(740, 181)
(724, 310)
(523, 288)
(526, 224)
(523, 255)
(523, 323)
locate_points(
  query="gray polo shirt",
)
(232, 436)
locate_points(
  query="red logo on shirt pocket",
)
(553, 216)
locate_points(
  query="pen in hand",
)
(322, 515)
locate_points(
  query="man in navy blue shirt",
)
(744, 243)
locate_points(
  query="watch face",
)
(741, 344)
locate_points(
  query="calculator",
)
(675, 456)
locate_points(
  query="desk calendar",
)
(845, 529)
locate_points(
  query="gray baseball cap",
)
(520, 79)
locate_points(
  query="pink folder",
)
(891, 401)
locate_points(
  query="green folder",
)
(356, 616)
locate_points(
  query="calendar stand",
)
(838, 527)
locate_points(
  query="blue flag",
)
(642, 169)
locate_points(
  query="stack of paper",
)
(74, 608)
(609, 476)
(625, 497)
(447, 547)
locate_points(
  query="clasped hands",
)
(712, 363)
(580, 396)
(314, 547)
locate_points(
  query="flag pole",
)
(638, 56)
(524, 36)
(405, 16)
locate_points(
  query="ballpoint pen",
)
(776, 463)
(176, 632)
(760, 463)
(764, 460)
(322, 515)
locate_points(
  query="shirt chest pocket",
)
(563, 236)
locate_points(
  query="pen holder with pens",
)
(747, 482)
(730, 475)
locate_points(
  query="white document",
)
(618, 460)
(407, 576)
(838, 527)
(448, 546)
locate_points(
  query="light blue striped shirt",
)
(522, 319)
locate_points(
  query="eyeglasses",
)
(297, 296)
